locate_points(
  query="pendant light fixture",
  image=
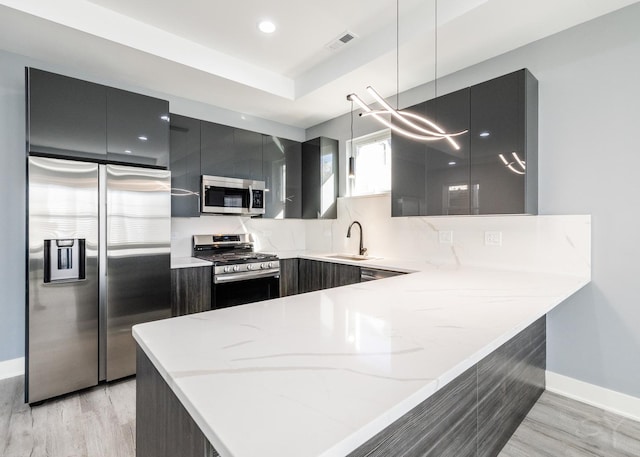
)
(408, 124)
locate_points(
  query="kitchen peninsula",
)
(445, 359)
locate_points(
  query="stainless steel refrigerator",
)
(98, 263)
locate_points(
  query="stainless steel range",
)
(240, 275)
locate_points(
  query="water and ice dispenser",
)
(64, 260)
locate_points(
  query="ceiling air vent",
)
(341, 40)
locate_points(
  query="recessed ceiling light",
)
(485, 134)
(267, 26)
(164, 117)
(127, 151)
(143, 138)
(452, 163)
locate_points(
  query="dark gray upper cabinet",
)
(431, 178)
(438, 178)
(281, 167)
(185, 166)
(248, 154)
(65, 116)
(319, 178)
(137, 129)
(408, 174)
(504, 128)
(293, 186)
(231, 152)
(218, 158)
(447, 162)
(68, 117)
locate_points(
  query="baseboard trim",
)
(11, 368)
(609, 400)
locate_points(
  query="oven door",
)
(240, 289)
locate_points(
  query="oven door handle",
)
(221, 279)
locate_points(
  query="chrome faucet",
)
(363, 250)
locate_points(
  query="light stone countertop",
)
(318, 374)
(188, 262)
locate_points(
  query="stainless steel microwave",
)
(232, 196)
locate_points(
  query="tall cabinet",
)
(319, 178)
(185, 166)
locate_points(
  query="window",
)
(372, 155)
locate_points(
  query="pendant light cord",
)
(397, 55)
(435, 69)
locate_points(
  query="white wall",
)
(589, 153)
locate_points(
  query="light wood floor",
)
(558, 426)
(101, 422)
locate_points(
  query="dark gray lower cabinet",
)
(472, 416)
(288, 277)
(476, 413)
(190, 290)
(317, 275)
(163, 427)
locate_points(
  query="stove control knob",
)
(227, 269)
(263, 266)
(270, 265)
(250, 266)
(236, 268)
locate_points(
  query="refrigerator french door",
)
(98, 263)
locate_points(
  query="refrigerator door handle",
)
(102, 273)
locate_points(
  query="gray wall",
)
(13, 186)
(589, 161)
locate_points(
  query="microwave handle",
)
(250, 198)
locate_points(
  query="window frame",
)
(374, 137)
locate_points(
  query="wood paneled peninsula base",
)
(473, 415)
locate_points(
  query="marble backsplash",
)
(556, 244)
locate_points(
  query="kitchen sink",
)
(351, 257)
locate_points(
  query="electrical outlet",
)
(493, 238)
(445, 236)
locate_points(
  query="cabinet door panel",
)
(343, 275)
(248, 154)
(293, 186)
(281, 167)
(275, 176)
(190, 290)
(319, 178)
(137, 129)
(185, 166)
(497, 113)
(447, 165)
(217, 150)
(289, 277)
(67, 117)
(408, 173)
(310, 276)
